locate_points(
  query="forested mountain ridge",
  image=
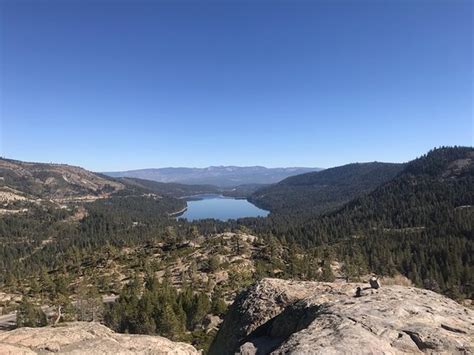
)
(221, 176)
(177, 190)
(419, 224)
(24, 185)
(170, 188)
(441, 179)
(422, 222)
(444, 162)
(318, 192)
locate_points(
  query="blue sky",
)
(112, 85)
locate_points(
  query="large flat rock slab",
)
(86, 338)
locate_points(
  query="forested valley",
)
(176, 278)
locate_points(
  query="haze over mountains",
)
(222, 176)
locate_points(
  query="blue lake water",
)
(220, 207)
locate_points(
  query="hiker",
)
(374, 282)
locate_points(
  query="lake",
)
(220, 207)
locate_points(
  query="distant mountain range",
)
(222, 176)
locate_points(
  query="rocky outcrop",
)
(86, 338)
(283, 317)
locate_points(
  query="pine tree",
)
(167, 324)
(218, 305)
(327, 275)
(29, 315)
(201, 307)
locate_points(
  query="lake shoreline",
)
(218, 206)
(177, 213)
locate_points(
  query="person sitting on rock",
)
(374, 282)
(359, 292)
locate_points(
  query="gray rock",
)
(248, 349)
(288, 317)
(86, 338)
(211, 322)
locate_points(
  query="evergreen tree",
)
(29, 315)
(326, 274)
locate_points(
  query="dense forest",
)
(176, 190)
(154, 307)
(322, 191)
(171, 189)
(405, 225)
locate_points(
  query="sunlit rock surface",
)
(292, 317)
(86, 338)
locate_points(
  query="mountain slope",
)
(170, 188)
(222, 176)
(318, 192)
(419, 224)
(173, 189)
(53, 181)
(24, 186)
(436, 183)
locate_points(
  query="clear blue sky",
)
(112, 85)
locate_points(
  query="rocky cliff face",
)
(282, 317)
(86, 338)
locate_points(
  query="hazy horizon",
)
(43, 161)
